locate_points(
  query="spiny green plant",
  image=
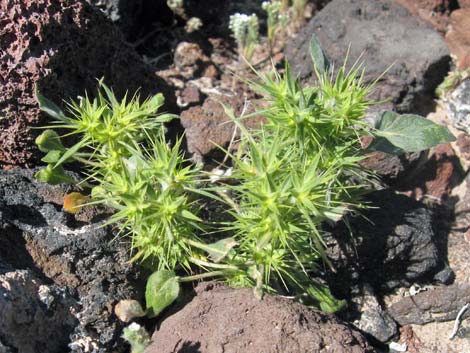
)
(294, 174)
(132, 168)
(299, 170)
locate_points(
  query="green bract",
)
(297, 171)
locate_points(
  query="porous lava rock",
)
(392, 243)
(464, 4)
(412, 57)
(221, 319)
(434, 305)
(62, 47)
(391, 168)
(208, 126)
(71, 252)
(373, 320)
(35, 317)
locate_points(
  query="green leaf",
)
(155, 102)
(320, 61)
(52, 157)
(53, 175)
(325, 300)
(109, 93)
(162, 289)
(48, 106)
(71, 151)
(191, 216)
(220, 249)
(48, 141)
(407, 133)
(336, 213)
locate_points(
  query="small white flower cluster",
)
(241, 24)
(245, 29)
(271, 7)
(277, 19)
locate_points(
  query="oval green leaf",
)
(53, 175)
(48, 141)
(397, 133)
(161, 290)
(52, 157)
(320, 61)
(48, 107)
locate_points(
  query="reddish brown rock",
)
(437, 176)
(458, 37)
(464, 4)
(435, 12)
(463, 143)
(408, 336)
(208, 126)
(390, 167)
(220, 319)
(61, 46)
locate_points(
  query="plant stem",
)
(203, 263)
(201, 276)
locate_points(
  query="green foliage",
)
(292, 175)
(319, 59)
(162, 289)
(137, 336)
(134, 170)
(393, 133)
(277, 19)
(299, 170)
(452, 80)
(245, 30)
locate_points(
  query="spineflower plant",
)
(296, 172)
(276, 20)
(245, 30)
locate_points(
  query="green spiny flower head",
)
(245, 30)
(151, 192)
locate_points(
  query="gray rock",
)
(35, 318)
(5, 349)
(374, 320)
(393, 244)
(458, 106)
(436, 305)
(410, 52)
(72, 252)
